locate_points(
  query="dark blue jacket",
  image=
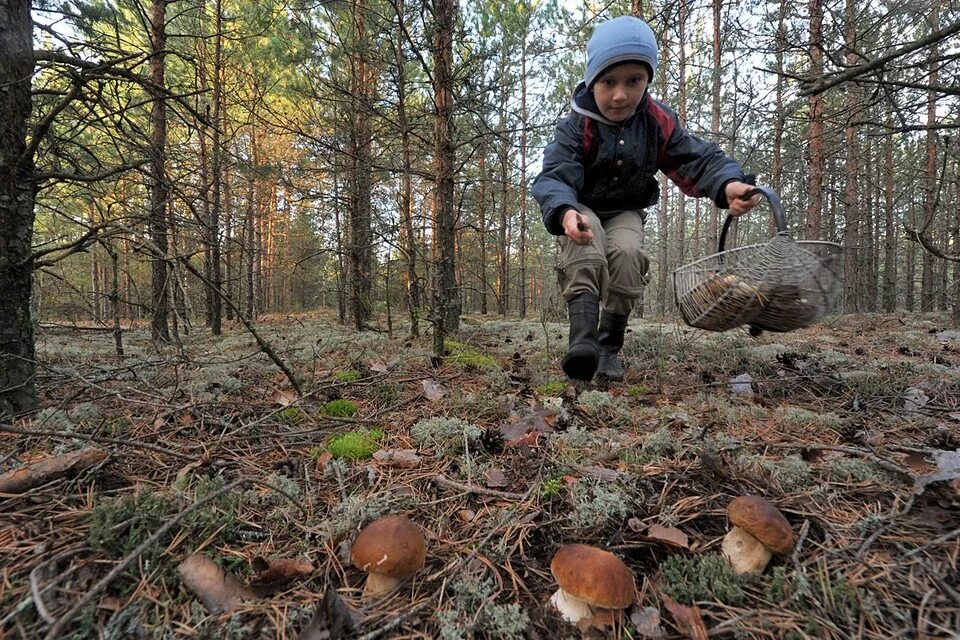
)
(611, 166)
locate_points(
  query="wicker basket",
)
(780, 285)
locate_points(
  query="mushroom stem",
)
(571, 608)
(745, 553)
(379, 584)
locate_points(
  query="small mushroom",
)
(589, 579)
(759, 531)
(390, 550)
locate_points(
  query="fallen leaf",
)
(34, 474)
(332, 618)
(283, 397)
(596, 471)
(272, 574)
(496, 478)
(647, 622)
(406, 458)
(669, 536)
(948, 468)
(378, 366)
(432, 390)
(687, 619)
(533, 422)
(218, 590)
(916, 462)
(323, 459)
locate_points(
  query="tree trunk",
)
(815, 147)
(408, 239)
(664, 294)
(680, 256)
(522, 196)
(930, 182)
(159, 190)
(851, 206)
(482, 170)
(361, 237)
(446, 308)
(713, 228)
(17, 364)
(889, 237)
(216, 169)
(503, 250)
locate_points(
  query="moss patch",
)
(356, 445)
(339, 408)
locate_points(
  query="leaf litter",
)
(867, 480)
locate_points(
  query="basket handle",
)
(775, 205)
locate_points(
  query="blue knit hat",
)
(623, 39)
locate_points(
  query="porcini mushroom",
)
(390, 550)
(759, 530)
(589, 579)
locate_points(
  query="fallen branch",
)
(80, 436)
(444, 481)
(34, 474)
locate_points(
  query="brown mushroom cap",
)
(392, 546)
(758, 517)
(593, 575)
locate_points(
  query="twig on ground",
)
(35, 578)
(66, 435)
(470, 488)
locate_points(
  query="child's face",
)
(619, 90)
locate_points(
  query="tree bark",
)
(889, 237)
(446, 307)
(851, 206)
(159, 189)
(815, 146)
(408, 239)
(930, 181)
(216, 169)
(17, 364)
(361, 237)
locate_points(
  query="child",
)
(597, 179)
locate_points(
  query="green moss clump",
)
(689, 579)
(293, 415)
(356, 445)
(552, 388)
(340, 408)
(462, 354)
(346, 376)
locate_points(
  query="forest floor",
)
(849, 428)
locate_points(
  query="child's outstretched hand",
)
(576, 226)
(734, 191)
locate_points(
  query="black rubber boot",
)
(583, 354)
(612, 328)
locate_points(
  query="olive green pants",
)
(613, 266)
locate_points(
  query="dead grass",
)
(827, 436)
